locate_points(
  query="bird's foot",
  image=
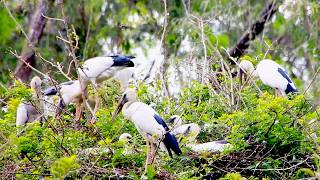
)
(76, 126)
(93, 120)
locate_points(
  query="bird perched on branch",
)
(150, 125)
(31, 111)
(184, 131)
(94, 70)
(99, 69)
(273, 75)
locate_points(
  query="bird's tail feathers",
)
(290, 89)
(120, 60)
(171, 143)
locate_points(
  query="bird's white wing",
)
(189, 131)
(95, 67)
(26, 113)
(71, 92)
(22, 115)
(269, 75)
(214, 146)
(142, 116)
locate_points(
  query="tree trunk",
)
(36, 28)
(255, 29)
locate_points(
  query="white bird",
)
(184, 131)
(99, 69)
(29, 112)
(275, 76)
(214, 146)
(70, 92)
(124, 76)
(94, 70)
(150, 125)
(125, 137)
(271, 74)
(246, 70)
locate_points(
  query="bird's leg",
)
(78, 113)
(97, 102)
(96, 107)
(278, 93)
(147, 159)
(153, 154)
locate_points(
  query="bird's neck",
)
(128, 109)
(128, 104)
(38, 98)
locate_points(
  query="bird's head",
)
(129, 95)
(125, 137)
(175, 120)
(35, 83)
(246, 66)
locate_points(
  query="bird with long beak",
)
(150, 125)
(29, 112)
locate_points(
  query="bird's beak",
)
(171, 121)
(130, 63)
(121, 103)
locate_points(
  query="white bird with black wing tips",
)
(94, 70)
(29, 112)
(275, 76)
(271, 74)
(99, 69)
(150, 125)
(188, 131)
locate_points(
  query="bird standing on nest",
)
(150, 125)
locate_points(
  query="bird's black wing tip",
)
(50, 91)
(119, 55)
(171, 143)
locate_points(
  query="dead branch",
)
(254, 30)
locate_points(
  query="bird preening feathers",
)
(271, 74)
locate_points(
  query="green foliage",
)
(232, 176)
(271, 121)
(285, 131)
(7, 26)
(64, 166)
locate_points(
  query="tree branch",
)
(254, 30)
(23, 71)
